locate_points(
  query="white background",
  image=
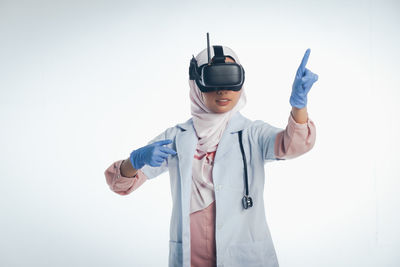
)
(83, 83)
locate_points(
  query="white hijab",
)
(209, 126)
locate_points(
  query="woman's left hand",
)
(302, 83)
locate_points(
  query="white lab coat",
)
(242, 236)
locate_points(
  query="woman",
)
(209, 225)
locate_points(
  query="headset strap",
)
(218, 54)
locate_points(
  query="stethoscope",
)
(246, 200)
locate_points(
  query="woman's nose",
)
(220, 92)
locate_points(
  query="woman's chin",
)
(222, 109)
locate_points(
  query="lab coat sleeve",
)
(264, 135)
(295, 140)
(120, 184)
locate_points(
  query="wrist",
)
(127, 170)
(300, 115)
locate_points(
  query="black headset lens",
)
(217, 74)
(222, 75)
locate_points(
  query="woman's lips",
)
(223, 102)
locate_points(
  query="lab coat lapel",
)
(186, 142)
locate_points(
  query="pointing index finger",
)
(163, 142)
(168, 150)
(304, 62)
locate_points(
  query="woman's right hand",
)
(153, 154)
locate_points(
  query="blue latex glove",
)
(302, 83)
(153, 154)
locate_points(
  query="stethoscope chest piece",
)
(247, 202)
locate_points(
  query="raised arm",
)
(299, 135)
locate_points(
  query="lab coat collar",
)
(236, 123)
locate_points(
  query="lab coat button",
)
(219, 226)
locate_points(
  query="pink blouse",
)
(295, 140)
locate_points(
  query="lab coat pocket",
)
(252, 254)
(175, 254)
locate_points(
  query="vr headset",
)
(216, 74)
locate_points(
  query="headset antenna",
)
(208, 48)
